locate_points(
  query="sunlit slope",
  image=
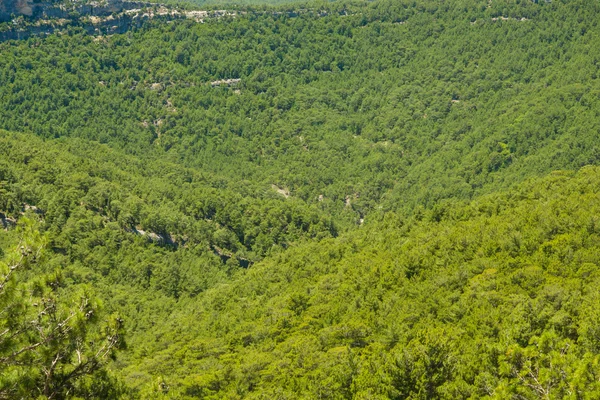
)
(386, 105)
(287, 203)
(491, 299)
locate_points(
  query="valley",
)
(342, 200)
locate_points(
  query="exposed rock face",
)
(7, 222)
(15, 7)
(51, 9)
(96, 18)
(225, 82)
(24, 8)
(105, 27)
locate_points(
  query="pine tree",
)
(54, 341)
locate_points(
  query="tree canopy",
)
(390, 199)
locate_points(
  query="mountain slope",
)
(343, 200)
(383, 105)
(492, 299)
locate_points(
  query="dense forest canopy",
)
(330, 200)
(386, 96)
(496, 299)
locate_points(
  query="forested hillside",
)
(360, 106)
(497, 298)
(335, 200)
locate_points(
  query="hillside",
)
(496, 298)
(466, 300)
(356, 107)
(333, 200)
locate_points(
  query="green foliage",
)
(327, 201)
(490, 301)
(54, 341)
(389, 104)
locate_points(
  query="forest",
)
(337, 200)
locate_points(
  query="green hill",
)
(496, 298)
(335, 200)
(385, 105)
(472, 299)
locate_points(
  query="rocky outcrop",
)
(10, 9)
(225, 82)
(163, 239)
(226, 255)
(103, 17)
(6, 221)
(94, 25)
(32, 18)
